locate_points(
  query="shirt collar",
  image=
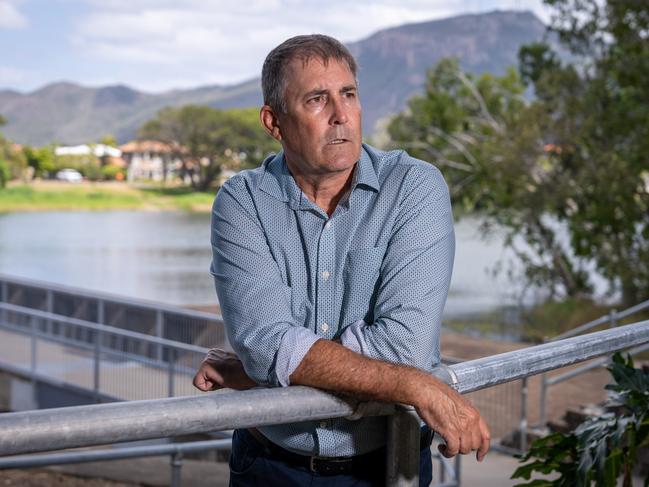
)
(278, 182)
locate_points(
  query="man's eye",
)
(316, 99)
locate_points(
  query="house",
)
(150, 160)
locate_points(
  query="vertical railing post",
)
(403, 442)
(159, 332)
(612, 318)
(98, 339)
(97, 365)
(33, 339)
(171, 371)
(4, 298)
(49, 304)
(542, 400)
(523, 424)
(176, 468)
(458, 470)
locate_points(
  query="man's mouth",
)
(337, 141)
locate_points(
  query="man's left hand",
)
(221, 370)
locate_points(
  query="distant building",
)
(150, 160)
(98, 150)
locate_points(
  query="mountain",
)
(392, 67)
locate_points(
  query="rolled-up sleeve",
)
(255, 302)
(414, 278)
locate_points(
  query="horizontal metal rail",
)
(600, 362)
(72, 457)
(143, 337)
(602, 320)
(71, 427)
(109, 297)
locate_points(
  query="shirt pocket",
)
(362, 275)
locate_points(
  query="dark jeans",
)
(252, 464)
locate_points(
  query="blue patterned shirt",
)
(375, 274)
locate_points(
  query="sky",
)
(158, 45)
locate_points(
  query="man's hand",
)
(220, 370)
(455, 419)
(330, 366)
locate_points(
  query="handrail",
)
(142, 303)
(601, 320)
(78, 426)
(104, 328)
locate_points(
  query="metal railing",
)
(170, 322)
(611, 319)
(54, 429)
(109, 361)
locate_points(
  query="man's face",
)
(321, 131)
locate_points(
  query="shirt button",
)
(323, 424)
(324, 327)
(325, 275)
(328, 224)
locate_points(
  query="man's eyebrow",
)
(317, 91)
(323, 91)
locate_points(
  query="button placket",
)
(326, 258)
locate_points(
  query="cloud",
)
(10, 16)
(223, 41)
(11, 76)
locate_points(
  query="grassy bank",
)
(58, 196)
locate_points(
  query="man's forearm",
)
(328, 365)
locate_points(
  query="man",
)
(332, 263)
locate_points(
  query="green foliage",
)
(601, 449)
(109, 140)
(41, 160)
(602, 124)
(5, 174)
(489, 143)
(14, 161)
(566, 175)
(112, 172)
(208, 140)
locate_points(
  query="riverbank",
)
(100, 196)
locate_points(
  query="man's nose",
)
(338, 111)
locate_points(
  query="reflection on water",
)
(165, 257)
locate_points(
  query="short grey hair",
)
(304, 47)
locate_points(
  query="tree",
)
(208, 140)
(488, 142)
(12, 160)
(568, 173)
(602, 122)
(42, 160)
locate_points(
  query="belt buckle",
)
(329, 466)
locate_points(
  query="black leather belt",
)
(332, 465)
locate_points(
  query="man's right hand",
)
(222, 370)
(453, 417)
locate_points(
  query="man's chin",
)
(345, 153)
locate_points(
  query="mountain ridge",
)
(392, 67)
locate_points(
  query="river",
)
(165, 256)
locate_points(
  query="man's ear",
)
(270, 122)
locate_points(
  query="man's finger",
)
(486, 440)
(466, 443)
(451, 448)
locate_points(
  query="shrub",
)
(601, 449)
